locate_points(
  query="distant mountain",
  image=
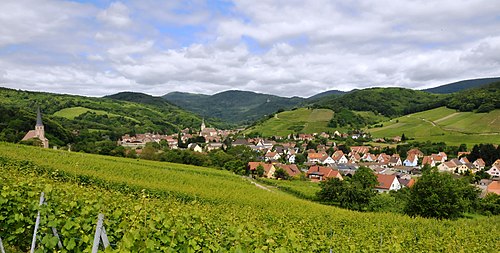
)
(161, 104)
(389, 102)
(326, 93)
(139, 98)
(237, 107)
(462, 85)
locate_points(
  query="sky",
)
(281, 47)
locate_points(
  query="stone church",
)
(39, 131)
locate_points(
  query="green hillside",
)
(67, 114)
(235, 107)
(389, 102)
(444, 124)
(163, 207)
(301, 120)
(462, 85)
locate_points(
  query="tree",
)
(439, 195)
(260, 170)
(352, 193)
(403, 137)
(281, 173)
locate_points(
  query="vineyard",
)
(163, 207)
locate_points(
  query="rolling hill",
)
(303, 120)
(235, 107)
(444, 125)
(164, 207)
(389, 102)
(65, 115)
(462, 85)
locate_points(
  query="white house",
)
(387, 183)
(411, 161)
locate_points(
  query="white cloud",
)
(284, 47)
(117, 14)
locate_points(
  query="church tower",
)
(39, 128)
(39, 131)
(202, 125)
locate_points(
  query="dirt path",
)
(257, 184)
(430, 122)
(446, 117)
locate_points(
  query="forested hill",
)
(462, 85)
(68, 118)
(237, 107)
(386, 101)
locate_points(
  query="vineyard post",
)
(37, 223)
(100, 234)
(2, 250)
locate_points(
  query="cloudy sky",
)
(282, 47)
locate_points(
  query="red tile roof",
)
(385, 181)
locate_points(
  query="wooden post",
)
(2, 250)
(37, 223)
(98, 231)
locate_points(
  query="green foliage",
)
(347, 118)
(281, 173)
(484, 99)
(353, 193)
(161, 207)
(389, 102)
(462, 85)
(487, 152)
(439, 195)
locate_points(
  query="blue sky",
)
(282, 47)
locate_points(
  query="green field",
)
(73, 112)
(301, 120)
(163, 207)
(301, 189)
(444, 125)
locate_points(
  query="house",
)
(272, 156)
(339, 157)
(239, 142)
(369, 157)
(437, 158)
(327, 160)
(395, 161)
(360, 149)
(411, 160)
(479, 163)
(464, 160)
(39, 132)
(269, 169)
(214, 145)
(195, 147)
(494, 171)
(313, 157)
(493, 187)
(383, 158)
(406, 182)
(354, 157)
(460, 154)
(387, 183)
(416, 152)
(320, 173)
(291, 158)
(447, 167)
(427, 160)
(291, 169)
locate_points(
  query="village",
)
(294, 157)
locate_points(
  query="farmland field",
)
(446, 125)
(164, 207)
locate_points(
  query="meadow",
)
(163, 207)
(301, 120)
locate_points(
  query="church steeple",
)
(203, 124)
(38, 117)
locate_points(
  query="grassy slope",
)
(443, 124)
(73, 112)
(312, 121)
(255, 212)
